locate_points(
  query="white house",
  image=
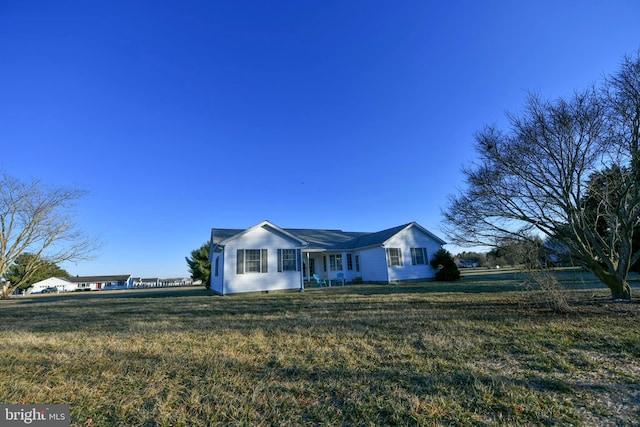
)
(266, 257)
(84, 283)
(59, 283)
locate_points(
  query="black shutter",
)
(279, 260)
(240, 262)
(265, 262)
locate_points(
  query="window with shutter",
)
(394, 257)
(287, 260)
(418, 256)
(252, 261)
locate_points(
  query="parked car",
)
(49, 290)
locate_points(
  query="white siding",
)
(61, 285)
(373, 265)
(258, 238)
(216, 281)
(405, 240)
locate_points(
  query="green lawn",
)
(477, 352)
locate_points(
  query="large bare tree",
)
(535, 178)
(38, 219)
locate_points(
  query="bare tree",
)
(533, 179)
(38, 219)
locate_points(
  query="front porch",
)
(327, 265)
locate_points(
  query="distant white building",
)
(83, 283)
(161, 283)
(152, 282)
(99, 283)
(177, 281)
(59, 283)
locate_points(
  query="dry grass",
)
(473, 353)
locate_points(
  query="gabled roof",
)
(373, 239)
(326, 239)
(313, 238)
(228, 234)
(97, 279)
(221, 234)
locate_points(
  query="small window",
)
(394, 257)
(217, 259)
(349, 262)
(252, 261)
(287, 260)
(418, 256)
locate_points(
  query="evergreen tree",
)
(18, 275)
(446, 266)
(199, 265)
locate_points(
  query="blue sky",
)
(178, 117)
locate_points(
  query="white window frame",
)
(394, 257)
(416, 254)
(288, 263)
(257, 264)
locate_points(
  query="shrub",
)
(446, 266)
